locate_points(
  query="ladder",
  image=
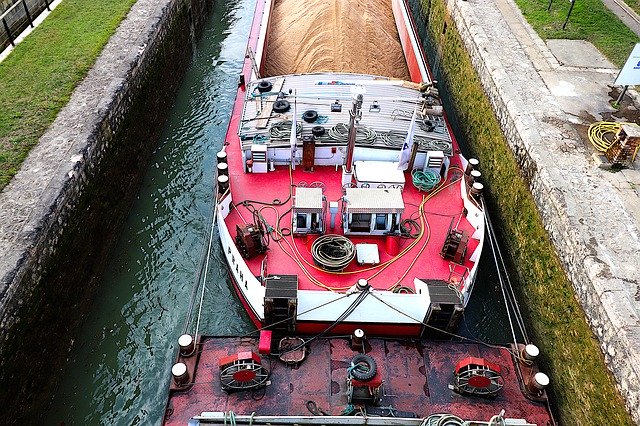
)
(254, 66)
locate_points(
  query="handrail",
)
(27, 14)
(13, 6)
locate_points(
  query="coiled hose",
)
(602, 134)
(425, 181)
(333, 252)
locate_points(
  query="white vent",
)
(259, 156)
(434, 161)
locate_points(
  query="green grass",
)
(38, 77)
(634, 4)
(590, 20)
(582, 389)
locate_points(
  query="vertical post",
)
(616, 104)
(6, 27)
(568, 14)
(46, 2)
(26, 10)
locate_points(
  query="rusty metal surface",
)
(416, 377)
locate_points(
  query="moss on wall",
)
(582, 390)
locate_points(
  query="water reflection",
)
(117, 371)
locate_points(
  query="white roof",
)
(309, 199)
(373, 200)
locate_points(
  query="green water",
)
(119, 366)
(118, 369)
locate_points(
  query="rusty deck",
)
(416, 377)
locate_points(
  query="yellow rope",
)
(603, 133)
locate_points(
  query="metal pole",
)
(351, 140)
(616, 104)
(6, 27)
(26, 9)
(549, 6)
(568, 14)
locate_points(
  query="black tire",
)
(369, 369)
(317, 131)
(281, 106)
(310, 116)
(265, 86)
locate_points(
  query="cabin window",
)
(301, 220)
(381, 222)
(314, 221)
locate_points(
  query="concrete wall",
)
(62, 211)
(594, 236)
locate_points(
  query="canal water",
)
(118, 366)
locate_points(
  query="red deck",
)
(416, 376)
(420, 261)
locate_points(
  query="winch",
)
(250, 240)
(242, 371)
(477, 376)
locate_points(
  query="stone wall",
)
(62, 211)
(594, 236)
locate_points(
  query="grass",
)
(633, 4)
(38, 77)
(590, 20)
(583, 391)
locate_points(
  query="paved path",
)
(545, 95)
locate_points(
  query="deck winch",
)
(364, 382)
(477, 376)
(455, 245)
(250, 240)
(368, 211)
(242, 371)
(309, 208)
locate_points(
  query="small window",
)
(301, 221)
(381, 222)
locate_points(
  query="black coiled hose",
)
(333, 252)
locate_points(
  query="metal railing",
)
(18, 17)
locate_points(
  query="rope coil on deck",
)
(333, 252)
(282, 130)
(425, 180)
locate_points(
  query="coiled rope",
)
(281, 130)
(333, 252)
(602, 135)
(425, 181)
(340, 133)
(395, 139)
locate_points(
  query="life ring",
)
(310, 116)
(280, 106)
(363, 367)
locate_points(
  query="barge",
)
(352, 227)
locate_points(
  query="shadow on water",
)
(485, 317)
(118, 369)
